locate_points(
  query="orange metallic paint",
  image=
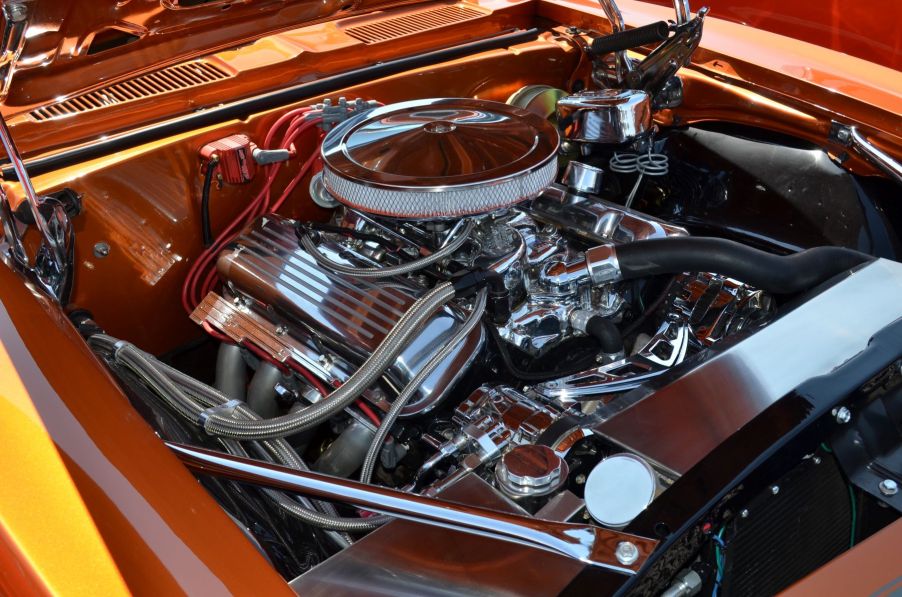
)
(61, 32)
(39, 500)
(867, 29)
(91, 501)
(269, 63)
(141, 517)
(145, 202)
(779, 70)
(871, 568)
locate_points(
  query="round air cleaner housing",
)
(439, 158)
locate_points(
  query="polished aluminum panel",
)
(285, 284)
(680, 423)
(439, 158)
(405, 559)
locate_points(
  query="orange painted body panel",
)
(145, 202)
(91, 501)
(61, 41)
(872, 568)
(146, 522)
(867, 29)
(272, 62)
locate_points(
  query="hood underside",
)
(96, 41)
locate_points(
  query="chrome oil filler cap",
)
(530, 471)
(439, 158)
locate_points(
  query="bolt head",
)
(842, 415)
(101, 250)
(744, 514)
(16, 12)
(888, 487)
(775, 489)
(626, 553)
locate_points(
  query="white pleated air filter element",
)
(439, 159)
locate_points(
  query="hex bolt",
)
(888, 487)
(101, 250)
(842, 415)
(16, 12)
(775, 489)
(626, 553)
(744, 514)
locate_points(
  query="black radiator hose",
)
(772, 273)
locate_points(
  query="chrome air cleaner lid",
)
(439, 158)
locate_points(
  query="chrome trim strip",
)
(592, 545)
(878, 157)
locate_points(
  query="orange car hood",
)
(95, 41)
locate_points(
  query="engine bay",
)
(533, 324)
(501, 304)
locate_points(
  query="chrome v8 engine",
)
(464, 185)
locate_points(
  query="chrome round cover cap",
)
(439, 158)
(607, 116)
(618, 489)
(530, 470)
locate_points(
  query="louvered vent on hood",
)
(417, 22)
(173, 78)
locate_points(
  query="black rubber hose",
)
(530, 376)
(205, 202)
(776, 274)
(632, 38)
(606, 332)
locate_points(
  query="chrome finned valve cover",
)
(439, 158)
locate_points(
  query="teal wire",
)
(852, 502)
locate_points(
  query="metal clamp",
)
(602, 264)
(52, 267)
(851, 137)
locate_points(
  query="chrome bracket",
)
(594, 546)
(665, 349)
(52, 266)
(15, 17)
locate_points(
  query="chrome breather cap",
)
(619, 488)
(531, 470)
(439, 158)
(605, 116)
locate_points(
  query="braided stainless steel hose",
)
(390, 270)
(409, 324)
(372, 455)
